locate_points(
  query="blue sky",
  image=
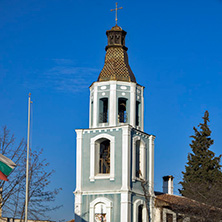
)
(55, 50)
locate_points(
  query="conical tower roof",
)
(116, 65)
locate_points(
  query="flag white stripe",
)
(7, 161)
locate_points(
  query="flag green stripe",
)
(4, 168)
(7, 161)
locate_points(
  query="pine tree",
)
(202, 179)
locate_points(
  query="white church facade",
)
(114, 155)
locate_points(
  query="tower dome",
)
(116, 65)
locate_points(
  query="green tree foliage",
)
(202, 179)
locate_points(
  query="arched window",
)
(103, 110)
(104, 156)
(139, 211)
(122, 114)
(139, 159)
(100, 210)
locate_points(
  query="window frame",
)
(143, 159)
(136, 205)
(94, 147)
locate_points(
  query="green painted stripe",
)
(4, 168)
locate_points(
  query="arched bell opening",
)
(103, 108)
(122, 110)
(138, 113)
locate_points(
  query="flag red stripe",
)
(3, 177)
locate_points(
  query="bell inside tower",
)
(122, 114)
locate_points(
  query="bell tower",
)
(114, 155)
(112, 103)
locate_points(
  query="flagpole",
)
(27, 162)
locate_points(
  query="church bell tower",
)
(114, 156)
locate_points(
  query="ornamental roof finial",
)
(116, 9)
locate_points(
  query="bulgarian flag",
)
(6, 167)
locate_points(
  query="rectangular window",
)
(169, 217)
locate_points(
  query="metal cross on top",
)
(116, 9)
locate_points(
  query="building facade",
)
(114, 155)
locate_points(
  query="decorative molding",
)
(103, 87)
(115, 191)
(123, 87)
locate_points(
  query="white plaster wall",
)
(157, 215)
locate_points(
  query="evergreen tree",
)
(202, 179)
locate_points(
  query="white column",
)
(142, 109)
(133, 105)
(95, 106)
(112, 159)
(112, 104)
(134, 160)
(78, 196)
(144, 156)
(91, 213)
(125, 207)
(126, 158)
(125, 196)
(78, 207)
(78, 159)
(92, 160)
(151, 163)
(90, 108)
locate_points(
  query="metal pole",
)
(27, 162)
